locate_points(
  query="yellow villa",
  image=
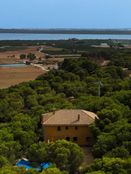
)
(69, 124)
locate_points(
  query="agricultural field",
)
(12, 54)
(13, 75)
(49, 55)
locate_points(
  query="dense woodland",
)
(67, 31)
(74, 85)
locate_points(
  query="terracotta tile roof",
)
(69, 117)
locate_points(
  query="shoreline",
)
(67, 31)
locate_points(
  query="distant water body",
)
(13, 36)
(13, 65)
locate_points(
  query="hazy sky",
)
(65, 13)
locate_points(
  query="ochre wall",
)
(82, 133)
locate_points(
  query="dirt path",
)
(88, 156)
(40, 66)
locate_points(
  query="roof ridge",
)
(49, 117)
(86, 112)
(61, 116)
(57, 111)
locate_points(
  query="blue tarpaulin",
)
(27, 165)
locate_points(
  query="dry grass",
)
(14, 56)
(11, 76)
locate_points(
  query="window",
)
(59, 128)
(75, 138)
(66, 127)
(76, 127)
(68, 138)
(88, 139)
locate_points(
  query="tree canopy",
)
(74, 85)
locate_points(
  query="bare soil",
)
(14, 75)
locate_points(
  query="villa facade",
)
(69, 124)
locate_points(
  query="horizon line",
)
(64, 28)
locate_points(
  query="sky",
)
(65, 14)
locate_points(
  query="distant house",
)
(70, 124)
(104, 45)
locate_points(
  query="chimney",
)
(53, 110)
(78, 117)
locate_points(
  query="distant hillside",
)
(67, 31)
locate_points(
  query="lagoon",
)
(16, 36)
